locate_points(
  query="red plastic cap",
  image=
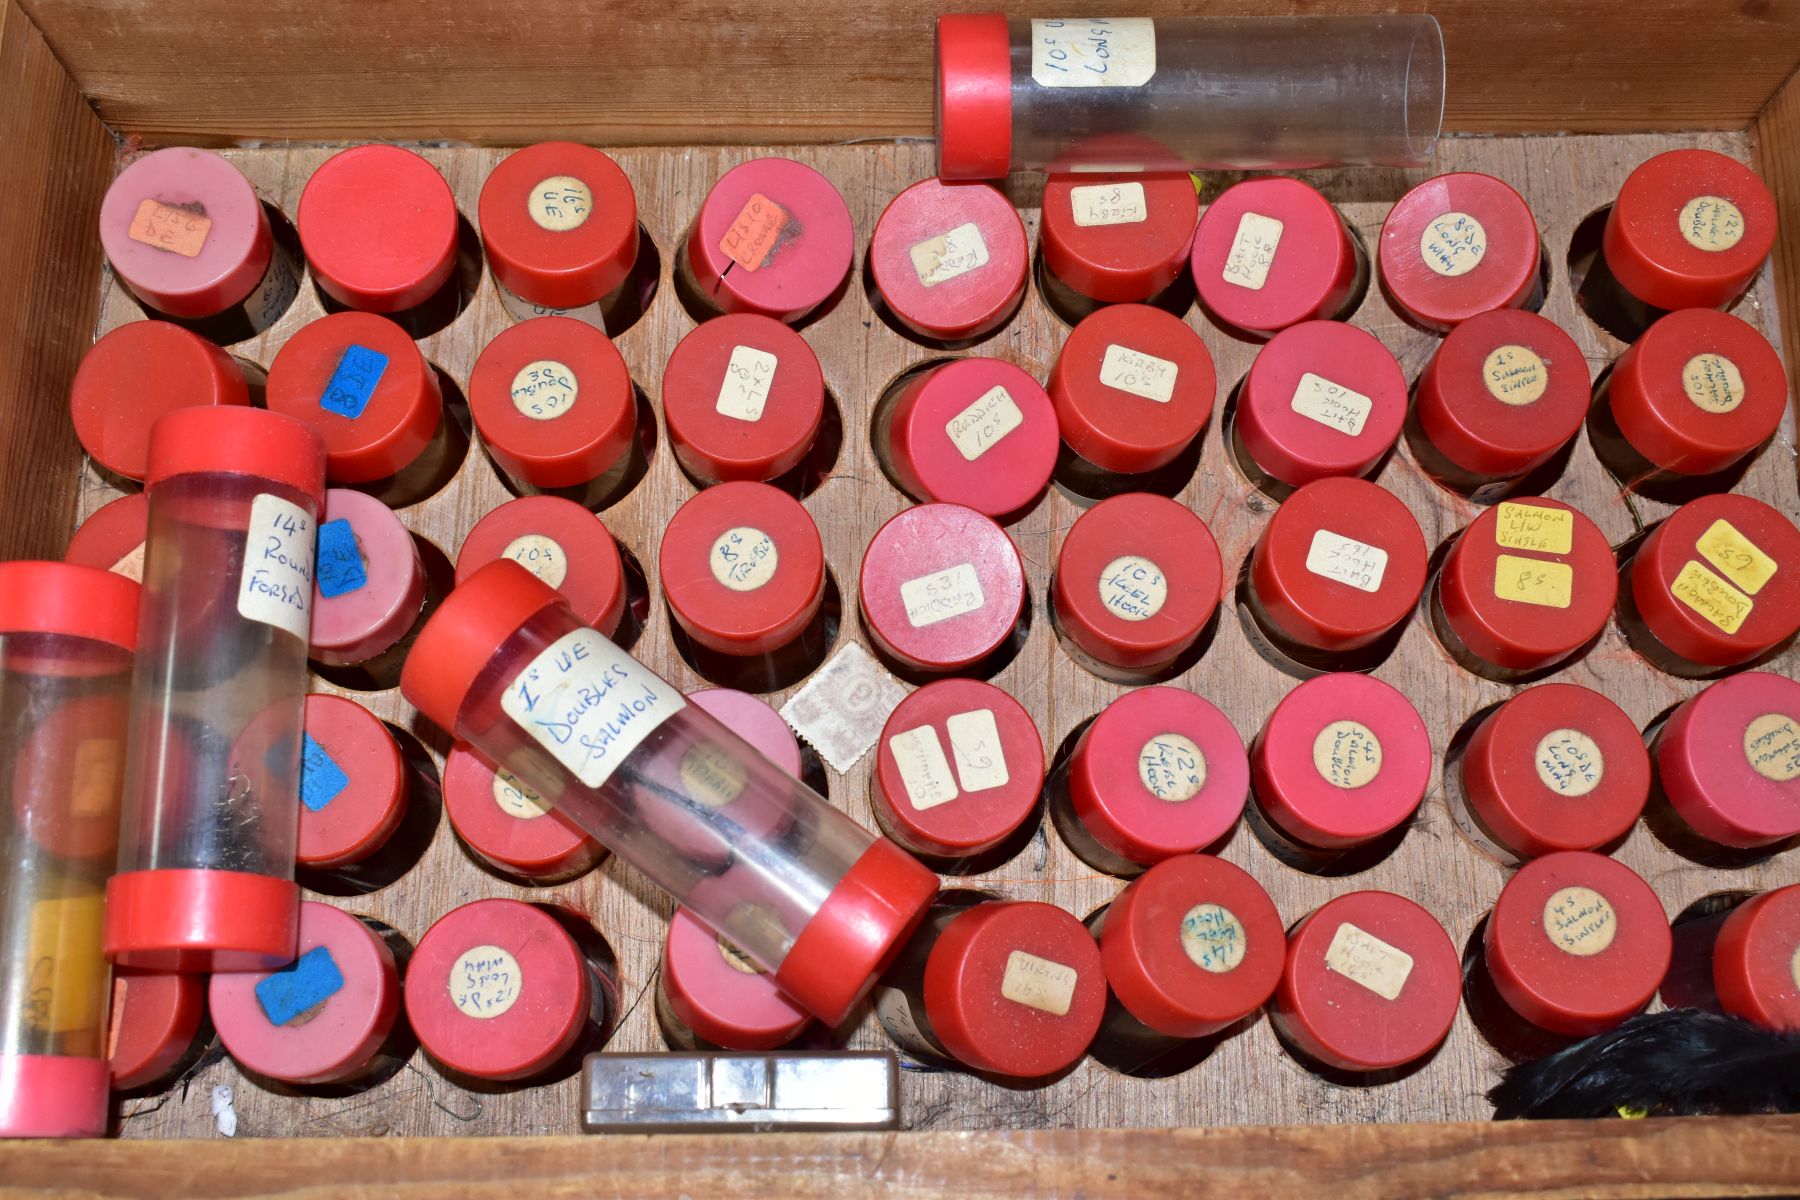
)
(1528, 583)
(52, 1096)
(154, 1020)
(1343, 759)
(223, 243)
(348, 813)
(239, 441)
(69, 600)
(1718, 581)
(112, 538)
(1457, 245)
(773, 237)
(198, 920)
(1690, 229)
(1505, 391)
(463, 635)
(742, 568)
(561, 543)
(1729, 760)
(974, 431)
(1118, 238)
(743, 397)
(950, 259)
(1340, 564)
(1160, 772)
(1192, 946)
(1557, 767)
(959, 769)
(67, 767)
(554, 402)
(1137, 580)
(1756, 960)
(1271, 253)
(323, 1018)
(136, 374)
(1372, 983)
(1015, 988)
(720, 994)
(360, 380)
(974, 96)
(1697, 392)
(498, 989)
(559, 223)
(1321, 399)
(1577, 942)
(378, 224)
(509, 825)
(357, 621)
(941, 587)
(1132, 388)
(755, 722)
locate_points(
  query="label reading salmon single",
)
(1109, 204)
(1252, 251)
(541, 556)
(1213, 938)
(544, 390)
(743, 559)
(1346, 560)
(949, 255)
(1093, 51)
(1713, 383)
(1515, 375)
(1737, 557)
(981, 426)
(980, 754)
(1569, 762)
(1133, 588)
(1533, 581)
(711, 775)
(1039, 983)
(1453, 244)
(1365, 959)
(942, 595)
(1536, 527)
(1580, 921)
(178, 230)
(515, 799)
(744, 391)
(924, 767)
(755, 233)
(1140, 374)
(1711, 223)
(484, 982)
(1172, 768)
(1347, 754)
(276, 587)
(1772, 747)
(560, 203)
(1716, 601)
(1331, 404)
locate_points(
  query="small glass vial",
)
(509, 827)
(1159, 773)
(354, 789)
(974, 431)
(212, 774)
(67, 636)
(153, 1027)
(506, 665)
(942, 589)
(1137, 585)
(136, 374)
(1526, 588)
(710, 996)
(1744, 960)
(323, 1018)
(1273, 252)
(959, 804)
(773, 236)
(1371, 987)
(188, 235)
(112, 538)
(1555, 767)
(1457, 245)
(557, 411)
(1116, 238)
(949, 261)
(1728, 761)
(743, 398)
(561, 543)
(370, 588)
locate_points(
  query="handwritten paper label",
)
(1039, 983)
(340, 560)
(1772, 746)
(1533, 581)
(589, 704)
(1737, 557)
(1713, 383)
(1172, 768)
(1347, 754)
(755, 233)
(1580, 921)
(924, 770)
(1515, 375)
(1363, 958)
(544, 390)
(180, 231)
(948, 593)
(949, 255)
(1569, 762)
(743, 559)
(1140, 374)
(1711, 597)
(1346, 560)
(744, 391)
(1109, 204)
(280, 284)
(276, 587)
(979, 752)
(1453, 244)
(1711, 223)
(321, 779)
(711, 775)
(1331, 404)
(1133, 588)
(131, 565)
(353, 381)
(980, 427)
(1093, 51)
(515, 799)
(1534, 527)
(737, 960)
(540, 555)
(1252, 251)
(560, 203)
(64, 967)
(1213, 938)
(522, 309)
(484, 982)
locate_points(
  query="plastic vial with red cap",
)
(559, 224)
(773, 236)
(112, 538)
(744, 399)
(1525, 588)
(1159, 773)
(1728, 762)
(974, 431)
(1744, 960)
(1371, 987)
(1457, 245)
(188, 235)
(1334, 576)
(361, 382)
(1716, 584)
(369, 591)
(958, 772)
(1273, 252)
(355, 787)
(942, 589)
(67, 636)
(1116, 238)
(1506, 391)
(1017, 94)
(949, 261)
(1132, 388)
(557, 410)
(1012, 988)
(509, 827)
(1337, 772)
(505, 665)
(135, 375)
(1555, 767)
(561, 543)
(709, 995)
(212, 775)
(1136, 587)
(153, 1026)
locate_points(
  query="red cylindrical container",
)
(559, 224)
(561, 543)
(1457, 245)
(773, 236)
(112, 538)
(1756, 960)
(941, 587)
(369, 583)
(744, 398)
(1115, 238)
(352, 784)
(509, 826)
(136, 374)
(1372, 984)
(1273, 252)
(1322, 399)
(1728, 760)
(709, 995)
(154, 1020)
(378, 224)
(1690, 229)
(959, 769)
(742, 568)
(950, 260)
(973, 431)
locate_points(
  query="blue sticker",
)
(348, 390)
(321, 779)
(301, 987)
(340, 564)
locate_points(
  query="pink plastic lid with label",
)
(724, 998)
(742, 568)
(755, 722)
(1322, 398)
(941, 587)
(507, 824)
(974, 431)
(773, 237)
(1729, 760)
(1132, 387)
(1457, 245)
(1272, 252)
(950, 259)
(743, 398)
(369, 583)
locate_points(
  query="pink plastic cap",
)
(974, 431)
(718, 993)
(1273, 252)
(369, 583)
(1322, 398)
(941, 587)
(950, 259)
(52, 1096)
(1729, 760)
(1457, 245)
(773, 237)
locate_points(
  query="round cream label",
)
(737, 960)
(484, 982)
(1453, 244)
(711, 775)
(560, 203)
(743, 559)
(1347, 754)
(1713, 383)
(1213, 938)
(1133, 587)
(1515, 375)
(1711, 223)
(1580, 921)
(515, 799)
(1795, 966)
(1772, 744)
(544, 390)
(1172, 767)
(539, 555)
(1569, 762)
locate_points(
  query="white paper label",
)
(1093, 51)
(1213, 938)
(131, 564)
(1361, 957)
(1252, 251)
(1772, 746)
(1711, 223)
(1347, 754)
(1172, 768)
(949, 593)
(544, 390)
(589, 704)
(1039, 983)
(515, 799)
(711, 775)
(1331, 404)
(744, 391)
(484, 982)
(540, 555)
(950, 254)
(1140, 374)
(1453, 244)
(1580, 921)
(1515, 375)
(978, 428)
(1108, 204)
(1569, 762)
(560, 203)
(737, 960)
(1348, 561)
(924, 769)
(276, 586)
(1133, 588)
(743, 559)
(980, 755)
(1713, 383)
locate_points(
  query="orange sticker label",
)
(169, 228)
(750, 242)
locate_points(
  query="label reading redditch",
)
(743, 559)
(276, 587)
(1346, 560)
(711, 775)
(755, 233)
(1252, 251)
(1580, 921)
(1039, 983)
(1109, 204)
(1534, 527)
(980, 754)
(544, 390)
(1716, 601)
(178, 230)
(744, 391)
(1772, 747)
(1533, 581)
(1515, 375)
(1453, 244)
(589, 704)
(924, 768)
(978, 428)
(1569, 762)
(1737, 557)
(560, 203)
(1172, 768)
(484, 982)
(515, 799)
(1140, 374)
(1331, 404)
(1213, 938)
(1711, 223)
(1347, 754)
(948, 255)
(1093, 51)
(1133, 588)
(1712, 383)
(540, 555)
(1363, 958)
(948, 593)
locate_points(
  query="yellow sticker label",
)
(1737, 557)
(1714, 599)
(1533, 581)
(1534, 527)
(65, 980)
